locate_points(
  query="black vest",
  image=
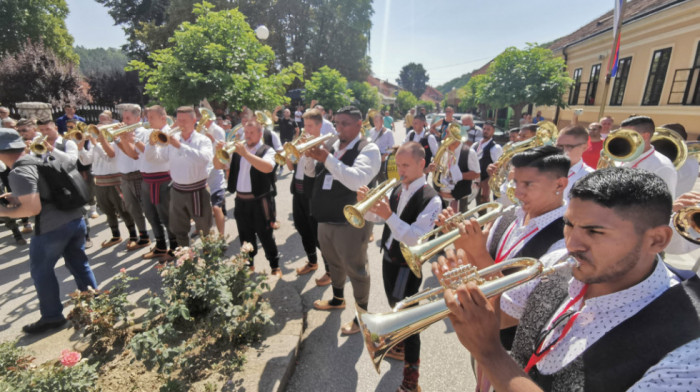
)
(267, 138)
(423, 142)
(260, 183)
(621, 357)
(327, 204)
(463, 187)
(485, 159)
(416, 204)
(307, 184)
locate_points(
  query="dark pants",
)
(253, 217)
(11, 223)
(131, 189)
(408, 284)
(111, 204)
(307, 227)
(182, 209)
(157, 214)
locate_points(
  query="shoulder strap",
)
(463, 162)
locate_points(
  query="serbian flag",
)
(617, 25)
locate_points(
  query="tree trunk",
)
(517, 112)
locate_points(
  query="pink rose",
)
(69, 358)
(123, 270)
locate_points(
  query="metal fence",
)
(90, 113)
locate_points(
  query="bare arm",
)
(22, 206)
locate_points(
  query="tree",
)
(413, 78)
(35, 73)
(517, 78)
(366, 96)
(312, 32)
(405, 101)
(219, 58)
(36, 20)
(456, 83)
(328, 87)
(428, 105)
(101, 60)
(114, 87)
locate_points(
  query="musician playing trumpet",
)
(621, 321)
(409, 212)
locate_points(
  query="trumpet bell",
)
(622, 145)
(687, 223)
(355, 214)
(671, 145)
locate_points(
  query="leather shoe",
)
(323, 304)
(43, 325)
(350, 328)
(155, 253)
(404, 389)
(308, 267)
(134, 245)
(325, 280)
(111, 242)
(276, 272)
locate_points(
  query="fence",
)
(90, 113)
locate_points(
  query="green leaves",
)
(329, 88)
(405, 101)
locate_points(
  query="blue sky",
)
(449, 37)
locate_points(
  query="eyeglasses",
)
(569, 146)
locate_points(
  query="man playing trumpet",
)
(409, 212)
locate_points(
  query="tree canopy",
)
(366, 96)
(329, 88)
(36, 20)
(311, 32)
(101, 60)
(405, 100)
(217, 57)
(457, 83)
(413, 78)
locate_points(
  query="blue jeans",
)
(45, 250)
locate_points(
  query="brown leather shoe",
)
(350, 328)
(111, 242)
(326, 305)
(155, 253)
(404, 389)
(325, 280)
(308, 267)
(134, 245)
(276, 272)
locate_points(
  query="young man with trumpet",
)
(619, 321)
(410, 212)
(352, 162)
(425, 138)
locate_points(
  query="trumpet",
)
(687, 223)
(96, 130)
(264, 118)
(38, 146)
(77, 134)
(355, 214)
(546, 134)
(621, 145)
(383, 331)
(418, 254)
(110, 135)
(454, 135)
(163, 137)
(293, 152)
(281, 157)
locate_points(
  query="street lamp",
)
(262, 32)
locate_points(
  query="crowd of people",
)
(621, 303)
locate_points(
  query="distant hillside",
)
(101, 60)
(456, 83)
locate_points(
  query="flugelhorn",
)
(281, 157)
(293, 152)
(77, 134)
(110, 135)
(226, 152)
(382, 331)
(355, 214)
(621, 145)
(546, 134)
(418, 254)
(38, 146)
(442, 156)
(96, 130)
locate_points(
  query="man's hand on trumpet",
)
(688, 199)
(472, 238)
(381, 208)
(317, 153)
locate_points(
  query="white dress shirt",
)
(217, 177)
(658, 164)
(679, 370)
(510, 245)
(432, 142)
(474, 135)
(687, 175)
(327, 127)
(495, 152)
(402, 231)
(276, 142)
(188, 164)
(96, 156)
(147, 165)
(243, 183)
(385, 142)
(68, 156)
(362, 171)
(125, 164)
(455, 171)
(576, 172)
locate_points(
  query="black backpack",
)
(67, 188)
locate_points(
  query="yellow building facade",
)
(659, 66)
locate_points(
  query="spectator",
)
(4, 113)
(474, 133)
(69, 110)
(388, 121)
(9, 122)
(595, 145)
(538, 117)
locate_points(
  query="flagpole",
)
(617, 27)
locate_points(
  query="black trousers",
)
(253, 218)
(307, 227)
(399, 283)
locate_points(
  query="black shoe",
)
(43, 326)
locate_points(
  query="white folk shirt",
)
(217, 178)
(125, 164)
(96, 156)
(495, 152)
(576, 172)
(243, 183)
(455, 171)
(658, 164)
(385, 142)
(327, 127)
(188, 164)
(362, 171)
(432, 142)
(148, 165)
(510, 245)
(409, 233)
(687, 175)
(679, 370)
(68, 156)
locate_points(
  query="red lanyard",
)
(535, 358)
(500, 256)
(642, 160)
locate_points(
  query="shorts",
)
(218, 199)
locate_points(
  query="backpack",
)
(67, 188)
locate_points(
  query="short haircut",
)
(107, 113)
(26, 122)
(71, 121)
(314, 115)
(468, 115)
(576, 131)
(319, 107)
(546, 159)
(512, 130)
(69, 105)
(419, 116)
(634, 194)
(414, 148)
(595, 125)
(132, 108)
(350, 111)
(45, 121)
(4, 109)
(606, 118)
(678, 128)
(9, 122)
(450, 108)
(642, 124)
(157, 109)
(186, 109)
(531, 127)
(489, 124)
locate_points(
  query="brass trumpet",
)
(224, 155)
(687, 223)
(383, 331)
(355, 214)
(454, 135)
(110, 135)
(293, 152)
(418, 254)
(77, 134)
(264, 118)
(671, 144)
(96, 130)
(38, 146)
(621, 145)
(546, 134)
(163, 137)
(281, 157)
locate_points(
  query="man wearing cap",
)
(57, 232)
